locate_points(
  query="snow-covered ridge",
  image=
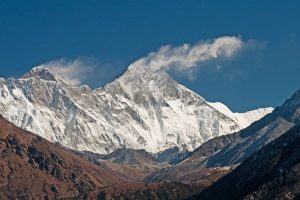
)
(140, 110)
(244, 119)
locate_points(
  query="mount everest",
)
(141, 109)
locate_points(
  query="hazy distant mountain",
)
(139, 110)
(273, 172)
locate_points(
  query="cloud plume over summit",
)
(187, 56)
(182, 58)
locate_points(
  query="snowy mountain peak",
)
(142, 109)
(40, 73)
(135, 76)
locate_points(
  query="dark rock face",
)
(273, 172)
(37, 158)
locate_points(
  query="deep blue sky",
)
(115, 33)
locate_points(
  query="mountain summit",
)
(41, 73)
(141, 109)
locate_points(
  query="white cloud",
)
(73, 71)
(187, 57)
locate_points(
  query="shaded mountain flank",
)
(273, 172)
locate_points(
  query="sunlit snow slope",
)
(141, 109)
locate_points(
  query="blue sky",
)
(109, 35)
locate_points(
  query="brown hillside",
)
(32, 167)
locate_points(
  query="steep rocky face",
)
(33, 168)
(139, 110)
(273, 172)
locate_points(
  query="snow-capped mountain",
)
(141, 109)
